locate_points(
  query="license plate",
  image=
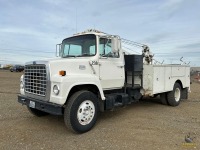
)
(32, 104)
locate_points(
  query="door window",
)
(105, 49)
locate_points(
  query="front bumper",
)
(41, 105)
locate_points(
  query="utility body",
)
(94, 73)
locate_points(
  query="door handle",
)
(120, 66)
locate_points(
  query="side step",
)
(116, 100)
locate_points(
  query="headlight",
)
(56, 89)
(21, 84)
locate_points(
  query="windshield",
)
(79, 46)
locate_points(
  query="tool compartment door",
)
(161, 79)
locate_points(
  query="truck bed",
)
(161, 78)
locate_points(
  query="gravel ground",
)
(143, 125)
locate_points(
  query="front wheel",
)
(81, 111)
(174, 97)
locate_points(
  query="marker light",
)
(62, 72)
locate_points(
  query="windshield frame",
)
(85, 36)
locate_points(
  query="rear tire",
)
(37, 112)
(174, 97)
(81, 111)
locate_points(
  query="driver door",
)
(111, 70)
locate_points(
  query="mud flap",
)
(184, 94)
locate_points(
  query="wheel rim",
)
(177, 94)
(86, 112)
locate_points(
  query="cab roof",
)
(91, 31)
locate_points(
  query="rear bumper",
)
(41, 105)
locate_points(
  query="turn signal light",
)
(62, 72)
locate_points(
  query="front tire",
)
(174, 97)
(81, 111)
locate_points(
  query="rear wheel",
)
(37, 112)
(174, 97)
(81, 112)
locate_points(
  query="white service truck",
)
(92, 74)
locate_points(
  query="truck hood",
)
(78, 65)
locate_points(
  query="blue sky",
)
(30, 29)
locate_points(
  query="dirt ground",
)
(144, 125)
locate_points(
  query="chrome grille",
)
(35, 77)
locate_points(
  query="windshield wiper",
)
(85, 54)
(69, 56)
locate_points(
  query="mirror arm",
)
(57, 55)
(56, 49)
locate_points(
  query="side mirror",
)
(58, 50)
(115, 45)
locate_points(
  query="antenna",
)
(76, 20)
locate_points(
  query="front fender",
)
(66, 83)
